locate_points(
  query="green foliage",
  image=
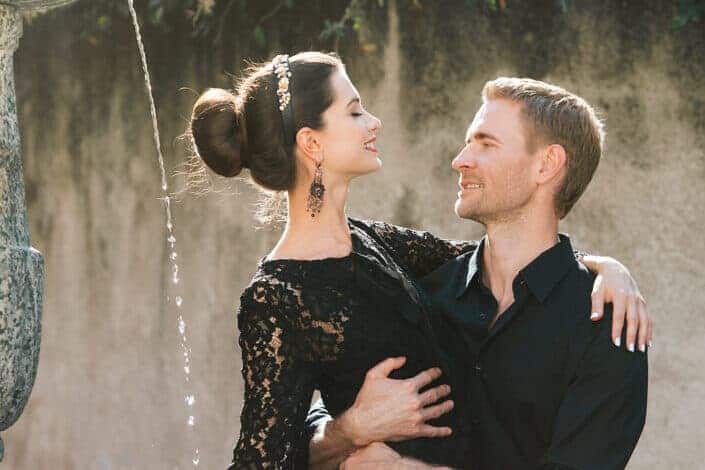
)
(688, 11)
(207, 16)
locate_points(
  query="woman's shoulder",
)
(298, 313)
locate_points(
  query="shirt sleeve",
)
(278, 383)
(603, 413)
(419, 251)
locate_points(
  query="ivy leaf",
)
(260, 36)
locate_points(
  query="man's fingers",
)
(426, 430)
(632, 323)
(425, 377)
(433, 412)
(618, 314)
(598, 300)
(434, 394)
(384, 368)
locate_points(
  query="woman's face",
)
(348, 138)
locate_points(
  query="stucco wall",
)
(109, 391)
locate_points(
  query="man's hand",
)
(614, 284)
(394, 410)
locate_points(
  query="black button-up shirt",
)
(545, 386)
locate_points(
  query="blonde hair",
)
(556, 116)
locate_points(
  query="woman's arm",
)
(278, 383)
(614, 284)
(419, 251)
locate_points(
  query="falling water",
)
(189, 399)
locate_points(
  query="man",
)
(542, 386)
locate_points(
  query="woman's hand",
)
(394, 410)
(614, 284)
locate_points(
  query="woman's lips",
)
(370, 145)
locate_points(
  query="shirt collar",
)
(541, 275)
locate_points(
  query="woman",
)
(336, 295)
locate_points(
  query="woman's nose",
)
(376, 124)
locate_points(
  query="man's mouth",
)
(466, 186)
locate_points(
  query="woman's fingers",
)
(433, 412)
(632, 323)
(426, 430)
(618, 314)
(598, 299)
(384, 368)
(425, 377)
(643, 325)
(434, 394)
(651, 332)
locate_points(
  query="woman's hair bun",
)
(218, 131)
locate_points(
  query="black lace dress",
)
(321, 324)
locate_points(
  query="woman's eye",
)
(357, 114)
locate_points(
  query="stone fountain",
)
(21, 266)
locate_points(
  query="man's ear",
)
(308, 143)
(553, 161)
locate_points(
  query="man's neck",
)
(512, 245)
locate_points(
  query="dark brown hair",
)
(244, 130)
(554, 115)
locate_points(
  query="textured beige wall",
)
(110, 387)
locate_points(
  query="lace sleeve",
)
(278, 380)
(419, 251)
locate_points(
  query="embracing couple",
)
(515, 351)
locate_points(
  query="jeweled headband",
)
(280, 68)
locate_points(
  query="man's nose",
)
(464, 160)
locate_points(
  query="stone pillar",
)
(21, 266)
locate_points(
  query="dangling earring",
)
(315, 195)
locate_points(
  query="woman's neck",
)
(323, 236)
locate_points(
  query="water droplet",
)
(164, 187)
(169, 226)
(182, 326)
(191, 421)
(190, 399)
(196, 459)
(187, 369)
(178, 300)
(171, 239)
(173, 255)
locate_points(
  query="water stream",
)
(189, 398)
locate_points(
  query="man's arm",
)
(604, 409)
(331, 440)
(384, 410)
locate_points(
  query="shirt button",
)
(483, 316)
(478, 367)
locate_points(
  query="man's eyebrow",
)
(355, 99)
(480, 136)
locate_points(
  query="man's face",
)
(495, 165)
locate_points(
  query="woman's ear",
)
(308, 143)
(553, 161)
